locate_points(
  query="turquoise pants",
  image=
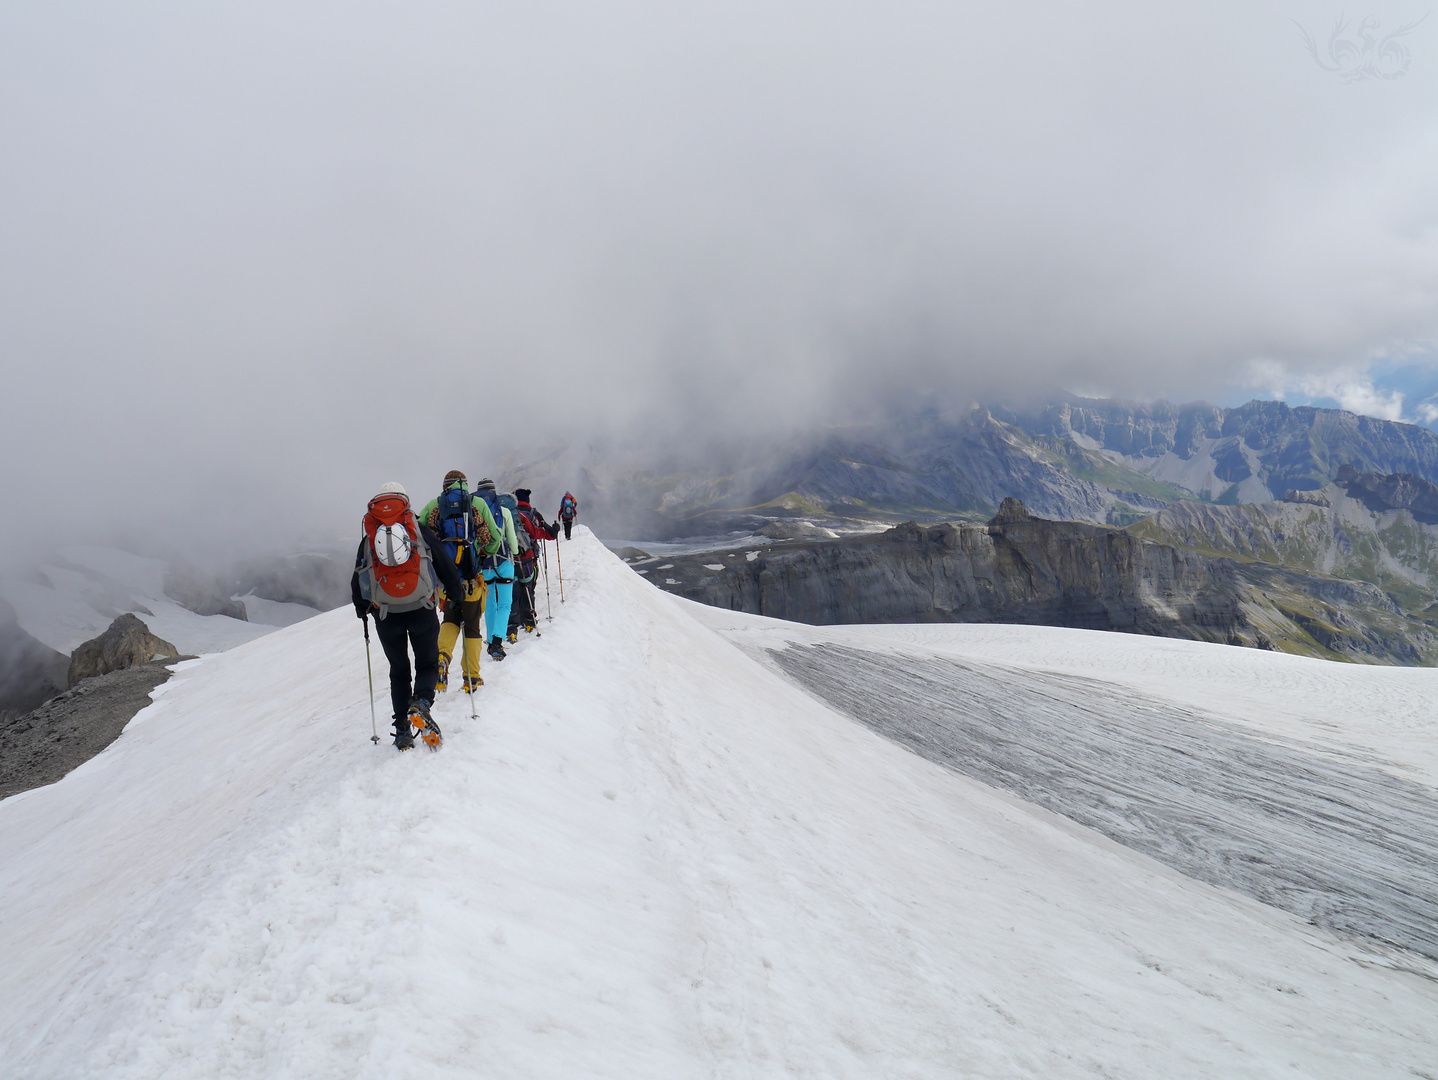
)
(501, 596)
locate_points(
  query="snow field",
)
(1385, 714)
(651, 856)
(66, 605)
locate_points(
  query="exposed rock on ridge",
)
(1395, 491)
(1022, 569)
(1017, 568)
(40, 747)
(127, 643)
(1366, 529)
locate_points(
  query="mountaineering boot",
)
(424, 724)
(448, 640)
(471, 685)
(403, 740)
(512, 636)
(496, 648)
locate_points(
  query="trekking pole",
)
(464, 670)
(548, 605)
(373, 723)
(558, 558)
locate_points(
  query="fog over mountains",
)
(1313, 531)
(1102, 461)
(256, 264)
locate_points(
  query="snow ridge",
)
(651, 856)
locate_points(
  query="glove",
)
(361, 609)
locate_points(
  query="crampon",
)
(424, 726)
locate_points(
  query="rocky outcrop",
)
(1017, 569)
(1355, 531)
(40, 747)
(200, 592)
(126, 643)
(1022, 569)
(1393, 491)
(796, 530)
(1315, 615)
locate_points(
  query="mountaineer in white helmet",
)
(399, 565)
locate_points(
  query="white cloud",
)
(243, 246)
(1352, 388)
(1356, 394)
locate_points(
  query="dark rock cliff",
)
(1016, 569)
(1395, 491)
(1023, 569)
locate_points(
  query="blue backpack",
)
(456, 529)
(496, 510)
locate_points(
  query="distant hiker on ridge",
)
(532, 530)
(398, 566)
(568, 508)
(468, 532)
(498, 568)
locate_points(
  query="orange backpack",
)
(396, 574)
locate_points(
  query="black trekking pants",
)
(469, 614)
(522, 613)
(400, 631)
(567, 522)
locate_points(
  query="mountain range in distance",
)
(1315, 530)
(1077, 459)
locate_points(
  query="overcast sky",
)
(281, 251)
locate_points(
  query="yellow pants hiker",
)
(468, 613)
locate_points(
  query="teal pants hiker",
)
(501, 596)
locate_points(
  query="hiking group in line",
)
(464, 552)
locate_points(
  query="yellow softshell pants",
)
(470, 614)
